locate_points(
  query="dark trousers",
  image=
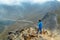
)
(40, 29)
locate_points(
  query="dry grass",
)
(31, 34)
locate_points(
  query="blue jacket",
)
(40, 24)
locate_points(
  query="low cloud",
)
(18, 2)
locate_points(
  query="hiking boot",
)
(40, 32)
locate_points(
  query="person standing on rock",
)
(40, 25)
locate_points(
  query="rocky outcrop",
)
(31, 34)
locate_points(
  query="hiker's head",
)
(10, 33)
(39, 20)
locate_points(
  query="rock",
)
(30, 34)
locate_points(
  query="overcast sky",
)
(12, 2)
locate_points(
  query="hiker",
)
(40, 24)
